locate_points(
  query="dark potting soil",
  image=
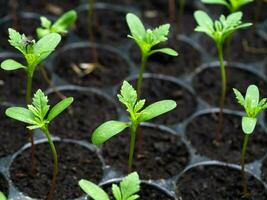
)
(87, 112)
(3, 8)
(201, 132)
(264, 170)
(111, 70)
(208, 85)
(154, 89)
(256, 11)
(109, 26)
(4, 185)
(187, 60)
(161, 155)
(218, 182)
(13, 135)
(75, 162)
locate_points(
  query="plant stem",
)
(132, 146)
(181, 11)
(140, 76)
(90, 31)
(172, 10)
(243, 156)
(55, 166)
(223, 92)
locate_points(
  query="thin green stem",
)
(223, 92)
(55, 167)
(242, 161)
(29, 89)
(133, 129)
(141, 73)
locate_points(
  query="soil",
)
(3, 185)
(186, 62)
(75, 162)
(256, 10)
(154, 89)
(237, 78)
(111, 69)
(264, 170)
(109, 26)
(201, 133)
(3, 8)
(10, 132)
(161, 154)
(87, 112)
(217, 182)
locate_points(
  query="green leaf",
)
(20, 114)
(253, 95)
(220, 2)
(167, 51)
(204, 20)
(128, 95)
(11, 64)
(156, 109)
(248, 124)
(116, 192)
(16, 40)
(65, 21)
(139, 105)
(136, 26)
(59, 108)
(239, 97)
(134, 197)
(46, 23)
(2, 196)
(160, 34)
(93, 190)
(107, 130)
(130, 185)
(41, 32)
(40, 105)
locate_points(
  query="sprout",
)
(252, 106)
(38, 115)
(137, 115)
(219, 31)
(127, 189)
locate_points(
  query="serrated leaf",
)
(107, 130)
(139, 105)
(130, 185)
(204, 20)
(93, 190)
(116, 192)
(239, 97)
(20, 114)
(11, 64)
(40, 102)
(59, 108)
(15, 40)
(160, 34)
(167, 51)
(135, 25)
(248, 124)
(128, 95)
(65, 21)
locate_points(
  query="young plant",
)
(219, 31)
(252, 106)
(137, 115)
(147, 39)
(129, 186)
(38, 115)
(61, 25)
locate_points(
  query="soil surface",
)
(201, 132)
(4, 185)
(75, 162)
(208, 85)
(86, 113)
(217, 182)
(77, 66)
(154, 89)
(3, 8)
(161, 154)
(264, 170)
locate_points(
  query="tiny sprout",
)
(219, 31)
(137, 115)
(232, 5)
(146, 40)
(253, 106)
(129, 186)
(38, 116)
(61, 26)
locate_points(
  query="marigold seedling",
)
(137, 114)
(147, 39)
(129, 186)
(38, 115)
(61, 25)
(219, 31)
(252, 106)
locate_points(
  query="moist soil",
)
(218, 182)
(264, 170)
(201, 133)
(111, 68)
(3, 8)
(75, 162)
(13, 135)
(109, 26)
(3, 185)
(160, 155)
(208, 85)
(86, 113)
(154, 89)
(187, 61)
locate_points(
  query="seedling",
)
(147, 39)
(129, 186)
(219, 31)
(252, 107)
(61, 25)
(137, 115)
(38, 115)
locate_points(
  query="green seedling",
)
(137, 115)
(147, 39)
(61, 25)
(219, 31)
(38, 115)
(2, 196)
(252, 106)
(129, 186)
